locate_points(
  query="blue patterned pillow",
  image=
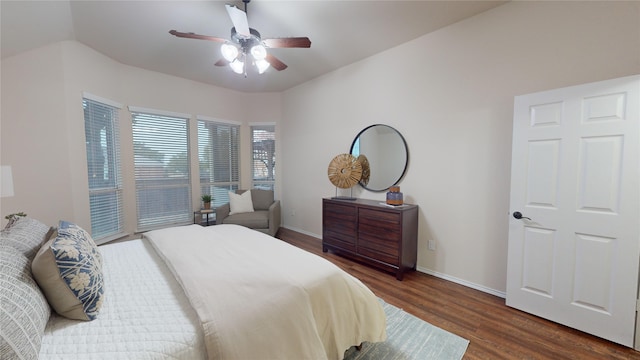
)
(68, 269)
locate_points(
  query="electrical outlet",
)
(293, 212)
(432, 245)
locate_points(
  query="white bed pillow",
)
(240, 203)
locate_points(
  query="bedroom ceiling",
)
(136, 32)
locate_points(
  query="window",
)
(161, 159)
(263, 143)
(218, 149)
(103, 165)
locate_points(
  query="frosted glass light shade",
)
(262, 65)
(259, 52)
(237, 66)
(229, 52)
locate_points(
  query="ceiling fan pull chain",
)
(244, 60)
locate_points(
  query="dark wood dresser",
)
(368, 231)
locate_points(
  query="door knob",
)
(518, 215)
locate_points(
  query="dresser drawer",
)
(339, 240)
(380, 215)
(382, 245)
(379, 235)
(378, 223)
(340, 219)
(377, 256)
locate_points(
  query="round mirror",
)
(387, 153)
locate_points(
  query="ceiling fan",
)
(246, 45)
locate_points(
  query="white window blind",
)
(161, 158)
(218, 153)
(263, 143)
(103, 164)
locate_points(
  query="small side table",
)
(207, 217)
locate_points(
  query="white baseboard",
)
(319, 237)
(462, 282)
(427, 271)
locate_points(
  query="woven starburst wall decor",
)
(366, 170)
(344, 171)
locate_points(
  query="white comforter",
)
(259, 297)
(145, 315)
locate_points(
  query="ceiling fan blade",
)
(196, 36)
(275, 62)
(288, 42)
(239, 20)
(221, 62)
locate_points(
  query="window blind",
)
(104, 171)
(218, 154)
(263, 143)
(162, 173)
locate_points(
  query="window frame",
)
(257, 154)
(219, 189)
(105, 199)
(166, 215)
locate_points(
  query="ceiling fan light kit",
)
(229, 52)
(237, 66)
(247, 45)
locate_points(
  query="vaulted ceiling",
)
(136, 32)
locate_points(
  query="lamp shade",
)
(6, 181)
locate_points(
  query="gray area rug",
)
(410, 338)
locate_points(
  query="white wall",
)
(450, 93)
(42, 128)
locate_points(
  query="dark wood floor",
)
(494, 330)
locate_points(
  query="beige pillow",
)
(25, 234)
(68, 269)
(24, 311)
(240, 203)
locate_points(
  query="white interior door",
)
(575, 175)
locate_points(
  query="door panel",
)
(594, 281)
(544, 156)
(575, 174)
(599, 173)
(539, 248)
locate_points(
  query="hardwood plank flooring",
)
(494, 330)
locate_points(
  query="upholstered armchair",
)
(265, 216)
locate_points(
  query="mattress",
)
(146, 314)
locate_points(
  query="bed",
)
(219, 292)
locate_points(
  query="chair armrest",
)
(222, 212)
(274, 217)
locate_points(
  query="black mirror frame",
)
(406, 149)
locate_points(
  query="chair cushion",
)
(24, 312)
(262, 199)
(254, 220)
(68, 269)
(240, 203)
